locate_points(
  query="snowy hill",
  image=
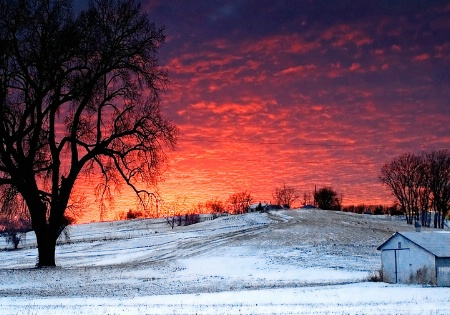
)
(288, 262)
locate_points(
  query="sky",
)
(306, 93)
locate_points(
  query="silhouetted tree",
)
(327, 199)
(240, 202)
(438, 167)
(285, 196)
(78, 94)
(406, 176)
(215, 206)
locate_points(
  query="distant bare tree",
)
(240, 202)
(307, 198)
(285, 196)
(215, 206)
(174, 209)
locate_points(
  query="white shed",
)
(416, 257)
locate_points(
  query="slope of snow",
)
(292, 262)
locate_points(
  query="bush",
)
(192, 219)
(15, 230)
(376, 276)
(130, 215)
(134, 214)
(14, 238)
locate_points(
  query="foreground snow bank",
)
(361, 298)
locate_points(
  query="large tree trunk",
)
(46, 236)
(46, 242)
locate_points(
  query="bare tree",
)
(215, 206)
(423, 214)
(78, 95)
(438, 166)
(307, 198)
(406, 177)
(174, 209)
(327, 199)
(240, 202)
(285, 196)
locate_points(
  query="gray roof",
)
(436, 243)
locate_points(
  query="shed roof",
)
(436, 243)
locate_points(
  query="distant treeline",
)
(374, 209)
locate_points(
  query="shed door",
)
(396, 265)
(389, 266)
(403, 266)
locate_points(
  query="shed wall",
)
(411, 263)
(443, 272)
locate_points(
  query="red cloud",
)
(354, 67)
(297, 70)
(421, 57)
(396, 48)
(345, 34)
(247, 106)
(279, 44)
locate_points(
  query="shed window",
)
(399, 245)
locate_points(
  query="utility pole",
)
(157, 202)
(315, 191)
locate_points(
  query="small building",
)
(416, 257)
(261, 206)
(206, 217)
(308, 206)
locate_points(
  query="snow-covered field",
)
(289, 262)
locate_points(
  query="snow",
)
(288, 262)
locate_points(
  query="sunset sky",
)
(301, 92)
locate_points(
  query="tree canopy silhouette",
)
(78, 94)
(327, 199)
(405, 175)
(421, 184)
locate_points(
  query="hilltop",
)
(108, 265)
